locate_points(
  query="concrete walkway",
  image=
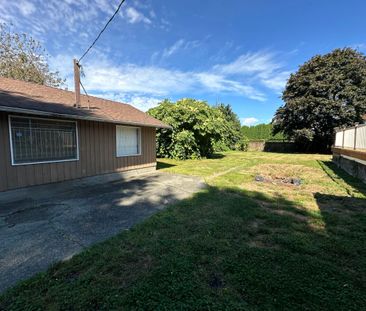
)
(46, 224)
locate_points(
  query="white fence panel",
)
(349, 138)
(361, 137)
(339, 139)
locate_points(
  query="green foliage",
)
(220, 146)
(199, 129)
(23, 58)
(326, 92)
(260, 131)
(242, 144)
(231, 136)
(184, 146)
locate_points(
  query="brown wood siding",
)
(361, 155)
(97, 155)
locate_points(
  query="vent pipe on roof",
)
(77, 83)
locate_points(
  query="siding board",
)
(3, 152)
(82, 148)
(97, 155)
(98, 152)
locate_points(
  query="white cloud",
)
(26, 8)
(259, 62)
(278, 81)
(66, 18)
(219, 83)
(61, 17)
(143, 103)
(152, 13)
(141, 82)
(179, 45)
(162, 82)
(260, 66)
(133, 16)
(164, 24)
(174, 48)
(249, 121)
(144, 86)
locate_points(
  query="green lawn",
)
(238, 245)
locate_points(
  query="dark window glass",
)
(38, 140)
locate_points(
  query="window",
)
(36, 140)
(128, 141)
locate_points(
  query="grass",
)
(237, 245)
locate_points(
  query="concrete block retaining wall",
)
(352, 166)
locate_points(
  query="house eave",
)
(76, 117)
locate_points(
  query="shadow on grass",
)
(224, 248)
(338, 175)
(344, 220)
(216, 156)
(161, 165)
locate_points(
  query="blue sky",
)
(238, 52)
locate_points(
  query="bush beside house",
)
(199, 129)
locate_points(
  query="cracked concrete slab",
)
(54, 222)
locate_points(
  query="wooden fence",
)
(351, 138)
(272, 146)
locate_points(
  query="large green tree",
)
(231, 137)
(197, 129)
(24, 58)
(326, 92)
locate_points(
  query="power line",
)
(104, 28)
(84, 89)
(86, 93)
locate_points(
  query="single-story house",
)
(45, 137)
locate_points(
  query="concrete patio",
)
(45, 224)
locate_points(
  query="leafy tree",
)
(23, 58)
(231, 137)
(326, 92)
(260, 132)
(197, 129)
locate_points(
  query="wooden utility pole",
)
(77, 83)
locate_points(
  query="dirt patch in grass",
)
(283, 172)
(313, 180)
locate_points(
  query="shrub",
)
(199, 129)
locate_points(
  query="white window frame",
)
(42, 162)
(139, 141)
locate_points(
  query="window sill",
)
(43, 162)
(128, 155)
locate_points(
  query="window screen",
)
(41, 140)
(128, 141)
